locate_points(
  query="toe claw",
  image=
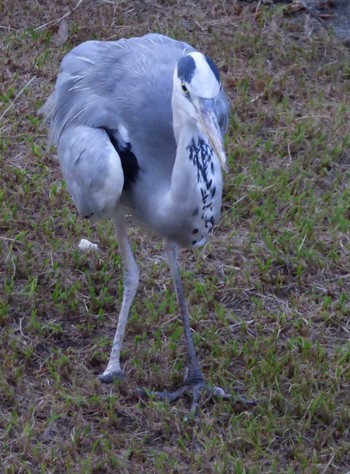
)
(245, 401)
(143, 392)
(220, 393)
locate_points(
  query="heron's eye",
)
(184, 88)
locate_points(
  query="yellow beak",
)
(209, 122)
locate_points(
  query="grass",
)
(269, 295)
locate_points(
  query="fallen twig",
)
(58, 20)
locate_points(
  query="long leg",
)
(131, 281)
(194, 381)
(194, 376)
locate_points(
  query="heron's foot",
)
(198, 390)
(110, 376)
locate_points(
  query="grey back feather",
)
(109, 84)
(103, 84)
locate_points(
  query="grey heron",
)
(139, 126)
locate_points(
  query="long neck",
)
(196, 170)
(194, 198)
(194, 167)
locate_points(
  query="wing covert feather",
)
(92, 170)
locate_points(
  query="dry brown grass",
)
(269, 294)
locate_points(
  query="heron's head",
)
(196, 86)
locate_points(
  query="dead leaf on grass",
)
(62, 34)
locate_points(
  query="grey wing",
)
(83, 90)
(110, 84)
(92, 170)
(107, 94)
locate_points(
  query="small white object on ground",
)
(87, 245)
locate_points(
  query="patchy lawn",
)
(269, 295)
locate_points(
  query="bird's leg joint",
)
(194, 378)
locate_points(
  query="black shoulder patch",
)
(128, 160)
(186, 68)
(213, 67)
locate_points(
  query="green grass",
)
(268, 295)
